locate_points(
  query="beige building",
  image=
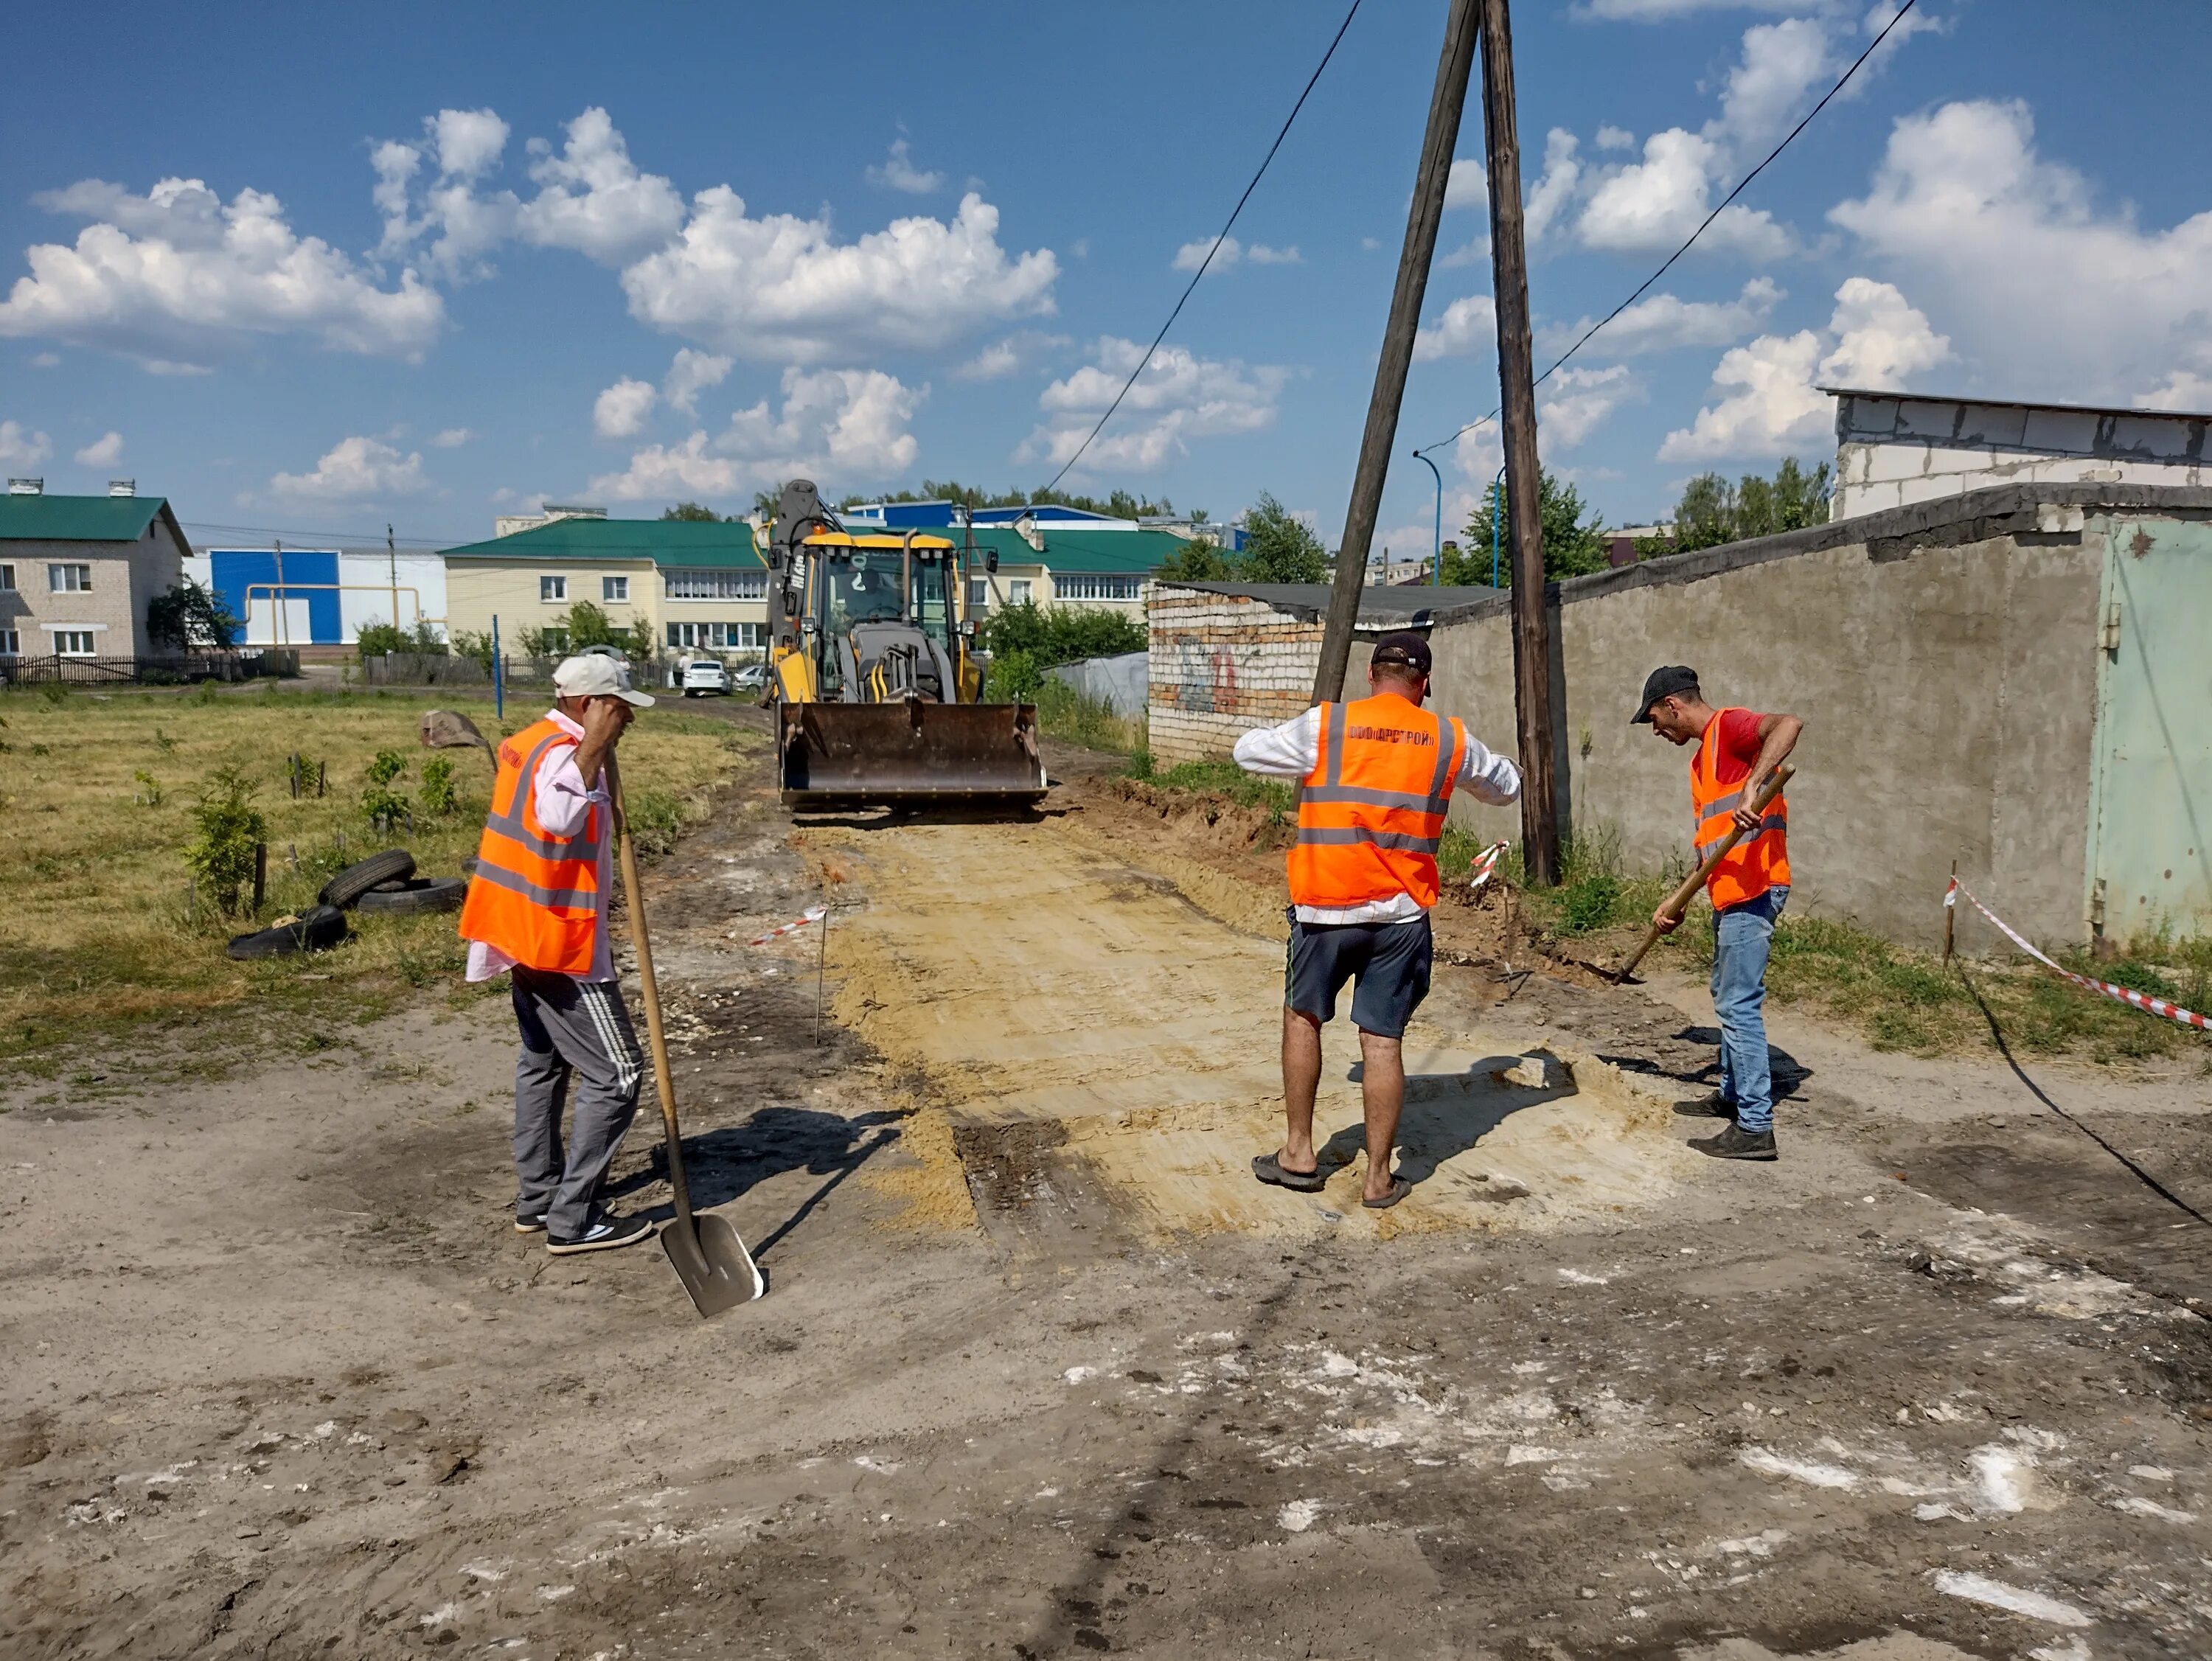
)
(77, 573)
(677, 585)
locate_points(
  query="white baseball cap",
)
(595, 675)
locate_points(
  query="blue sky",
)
(313, 270)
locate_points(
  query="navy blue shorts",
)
(1389, 960)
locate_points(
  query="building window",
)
(7, 579)
(552, 591)
(1095, 587)
(73, 642)
(616, 589)
(717, 585)
(69, 578)
(717, 637)
(1017, 591)
(979, 594)
(11, 644)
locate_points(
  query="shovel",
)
(705, 1251)
(1696, 880)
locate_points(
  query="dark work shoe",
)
(1735, 1142)
(602, 1233)
(1711, 1105)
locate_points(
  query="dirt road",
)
(1042, 1372)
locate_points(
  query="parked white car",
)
(750, 677)
(702, 675)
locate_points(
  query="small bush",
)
(54, 692)
(436, 793)
(377, 639)
(1589, 903)
(209, 690)
(230, 827)
(384, 807)
(2139, 977)
(149, 789)
(1014, 679)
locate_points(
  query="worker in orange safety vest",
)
(537, 911)
(1378, 776)
(1737, 752)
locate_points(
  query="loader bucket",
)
(908, 754)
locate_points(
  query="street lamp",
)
(1436, 560)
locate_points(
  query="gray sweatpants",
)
(579, 1028)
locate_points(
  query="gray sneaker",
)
(603, 1233)
(1735, 1142)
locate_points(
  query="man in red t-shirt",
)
(1738, 750)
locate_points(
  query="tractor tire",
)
(356, 880)
(417, 893)
(320, 928)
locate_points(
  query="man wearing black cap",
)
(1377, 775)
(1738, 750)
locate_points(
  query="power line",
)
(1211, 251)
(351, 538)
(1741, 187)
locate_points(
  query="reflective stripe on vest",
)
(1371, 812)
(535, 896)
(1761, 860)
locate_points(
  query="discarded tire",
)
(417, 893)
(356, 880)
(319, 929)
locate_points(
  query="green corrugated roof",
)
(79, 518)
(690, 544)
(1078, 550)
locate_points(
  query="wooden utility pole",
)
(1531, 639)
(1453, 66)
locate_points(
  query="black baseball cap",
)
(1403, 645)
(1668, 681)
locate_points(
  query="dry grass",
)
(100, 937)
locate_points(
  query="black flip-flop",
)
(1398, 1189)
(1269, 1170)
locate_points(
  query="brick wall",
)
(1221, 665)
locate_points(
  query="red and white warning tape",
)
(812, 915)
(1486, 862)
(2157, 1006)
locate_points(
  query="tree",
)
(188, 616)
(1121, 504)
(765, 503)
(692, 512)
(1712, 511)
(588, 625)
(1573, 547)
(1062, 635)
(1278, 546)
(1198, 560)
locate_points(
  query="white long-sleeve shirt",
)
(1293, 749)
(563, 799)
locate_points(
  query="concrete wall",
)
(1943, 658)
(1220, 665)
(1891, 452)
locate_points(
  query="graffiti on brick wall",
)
(1207, 676)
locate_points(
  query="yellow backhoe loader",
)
(873, 672)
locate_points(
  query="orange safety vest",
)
(1371, 812)
(1761, 860)
(535, 895)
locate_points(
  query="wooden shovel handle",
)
(1696, 879)
(655, 1034)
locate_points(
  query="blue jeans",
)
(1742, 936)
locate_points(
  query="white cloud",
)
(1192, 255)
(1370, 243)
(847, 424)
(1654, 11)
(1663, 322)
(1467, 327)
(179, 277)
(1772, 85)
(466, 144)
(353, 469)
(620, 411)
(104, 450)
(2183, 390)
(1610, 137)
(469, 142)
(1261, 254)
(22, 448)
(593, 198)
(690, 374)
(1575, 402)
(1556, 188)
(1010, 356)
(2009, 248)
(1651, 206)
(1468, 184)
(898, 172)
(452, 438)
(1874, 339)
(784, 288)
(1179, 397)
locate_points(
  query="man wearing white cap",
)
(537, 911)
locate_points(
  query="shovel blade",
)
(712, 1262)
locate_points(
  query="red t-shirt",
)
(1738, 745)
